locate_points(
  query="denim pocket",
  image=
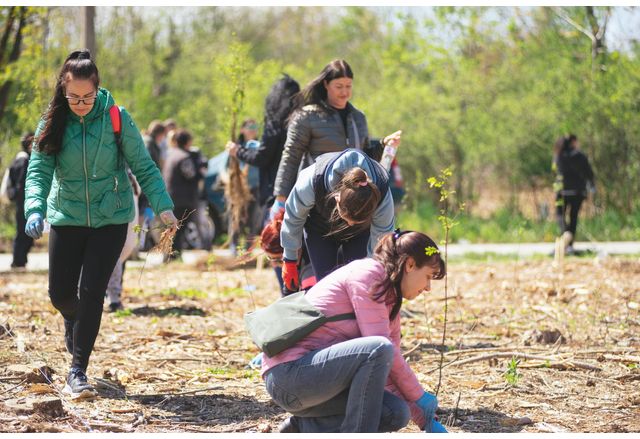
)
(280, 396)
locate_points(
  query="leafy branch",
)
(448, 221)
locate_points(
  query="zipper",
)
(115, 190)
(86, 173)
(58, 193)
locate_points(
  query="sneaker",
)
(115, 306)
(68, 335)
(77, 385)
(289, 425)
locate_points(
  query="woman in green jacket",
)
(77, 179)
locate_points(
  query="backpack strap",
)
(116, 123)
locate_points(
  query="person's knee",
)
(383, 349)
(66, 304)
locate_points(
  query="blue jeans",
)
(340, 388)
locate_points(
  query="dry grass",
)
(174, 361)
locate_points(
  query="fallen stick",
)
(621, 358)
(568, 363)
(493, 349)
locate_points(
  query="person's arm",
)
(297, 143)
(299, 203)
(383, 221)
(39, 176)
(143, 167)
(372, 318)
(262, 156)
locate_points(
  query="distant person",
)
(278, 106)
(250, 226)
(170, 126)
(577, 180)
(350, 375)
(340, 204)
(154, 137)
(323, 121)
(77, 179)
(17, 178)
(114, 287)
(182, 174)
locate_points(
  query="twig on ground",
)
(556, 361)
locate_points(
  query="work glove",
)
(290, 275)
(275, 208)
(429, 403)
(35, 226)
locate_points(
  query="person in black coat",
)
(577, 179)
(266, 157)
(18, 175)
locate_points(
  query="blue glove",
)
(428, 403)
(275, 208)
(437, 427)
(256, 362)
(35, 226)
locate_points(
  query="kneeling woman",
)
(342, 203)
(349, 375)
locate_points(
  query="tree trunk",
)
(5, 89)
(89, 29)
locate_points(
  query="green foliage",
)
(486, 90)
(511, 375)
(123, 313)
(189, 293)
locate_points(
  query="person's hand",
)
(290, 275)
(232, 148)
(277, 206)
(393, 139)
(591, 188)
(428, 403)
(35, 226)
(169, 219)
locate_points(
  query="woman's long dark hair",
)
(392, 252)
(279, 102)
(315, 91)
(79, 65)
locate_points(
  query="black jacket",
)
(266, 157)
(576, 171)
(18, 177)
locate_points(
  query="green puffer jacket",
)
(85, 184)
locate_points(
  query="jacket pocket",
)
(110, 201)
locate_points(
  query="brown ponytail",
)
(359, 199)
(392, 252)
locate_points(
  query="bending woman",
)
(349, 375)
(77, 179)
(340, 203)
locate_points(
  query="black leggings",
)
(92, 252)
(571, 203)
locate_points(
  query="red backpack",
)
(116, 123)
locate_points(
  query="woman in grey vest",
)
(341, 204)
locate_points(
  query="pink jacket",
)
(349, 289)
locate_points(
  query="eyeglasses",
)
(76, 101)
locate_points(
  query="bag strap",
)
(116, 123)
(339, 317)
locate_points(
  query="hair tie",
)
(363, 183)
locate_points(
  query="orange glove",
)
(290, 275)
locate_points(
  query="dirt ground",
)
(174, 360)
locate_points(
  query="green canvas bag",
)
(285, 322)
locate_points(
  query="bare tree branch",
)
(560, 13)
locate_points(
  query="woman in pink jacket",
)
(349, 375)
